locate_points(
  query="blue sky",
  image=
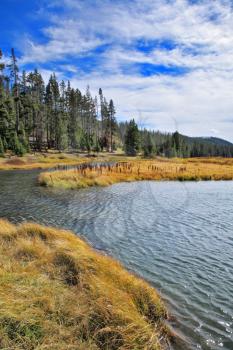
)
(168, 63)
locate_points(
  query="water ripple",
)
(178, 236)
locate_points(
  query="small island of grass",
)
(190, 169)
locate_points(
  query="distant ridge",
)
(209, 140)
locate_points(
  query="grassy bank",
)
(57, 293)
(41, 161)
(192, 169)
(52, 159)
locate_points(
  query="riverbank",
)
(57, 292)
(52, 159)
(41, 161)
(190, 169)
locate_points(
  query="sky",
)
(167, 63)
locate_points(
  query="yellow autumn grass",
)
(41, 161)
(51, 159)
(191, 169)
(57, 293)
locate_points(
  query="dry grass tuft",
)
(56, 292)
(193, 169)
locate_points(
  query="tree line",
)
(35, 116)
(155, 143)
(39, 116)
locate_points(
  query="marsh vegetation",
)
(191, 169)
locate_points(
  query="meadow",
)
(58, 293)
(137, 169)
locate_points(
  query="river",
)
(178, 236)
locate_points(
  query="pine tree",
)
(82, 141)
(62, 123)
(112, 126)
(24, 141)
(132, 142)
(101, 112)
(148, 146)
(176, 141)
(5, 145)
(16, 146)
(1, 148)
(15, 76)
(97, 147)
(62, 136)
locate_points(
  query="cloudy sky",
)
(168, 63)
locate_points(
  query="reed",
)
(58, 293)
(192, 169)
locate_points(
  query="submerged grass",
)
(192, 169)
(57, 293)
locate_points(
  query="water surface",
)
(178, 236)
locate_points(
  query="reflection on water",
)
(179, 236)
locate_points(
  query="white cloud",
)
(199, 102)
(195, 104)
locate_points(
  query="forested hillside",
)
(172, 144)
(35, 116)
